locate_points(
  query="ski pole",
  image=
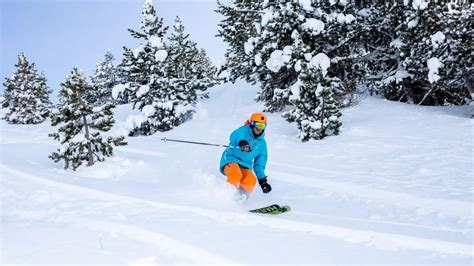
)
(199, 143)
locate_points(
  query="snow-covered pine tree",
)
(315, 111)
(428, 69)
(81, 125)
(206, 73)
(454, 52)
(26, 95)
(127, 71)
(188, 67)
(289, 33)
(241, 22)
(382, 43)
(344, 30)
(422, 21)
(277, 49)
(139, 64)
(105, 77)
(148, 85)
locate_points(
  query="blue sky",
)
(59, 35)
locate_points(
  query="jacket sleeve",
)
(260, 162)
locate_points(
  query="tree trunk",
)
(89, 146)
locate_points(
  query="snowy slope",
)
(396, 187)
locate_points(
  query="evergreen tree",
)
(26, 95)
(315, 110)
(205, 72)
(129, 72)
(427, 59)
(139, 64)
(148, 85)
(188, 67)
(382, 43)
(105, 77)
(277, 49)
(344, 31)
(454, 53)
(241, 22)
(81, 125)
(284, 37)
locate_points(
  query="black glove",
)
(245, 146)
(265, 186)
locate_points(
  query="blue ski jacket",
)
(255, 160)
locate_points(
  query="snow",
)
(413, 23)
(349, 19)
(344, 2)
(399, 76)
(258, 59)
(144, 89)
(148, 110)
(248, 46)
(298, 66)
(365, 12)
(276, 61)
(419, 4)
(322, 62)
(156, 41)
(117, 89)
(315, 26)
(344, 19)
(434, 65)
(306, 5)
(137, 51)
(134, 121)
(295, 90)
(437, 39)
(161, 55)
(266, 17)
(395, 187)
(397, 43)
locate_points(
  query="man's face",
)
(257, 131)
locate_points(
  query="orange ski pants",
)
(240, 176)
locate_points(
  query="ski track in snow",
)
(403, 200)
(434, 228)
(170, 246)
(377, 240)
(167, 244)
(142, 152)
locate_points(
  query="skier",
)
(246, 154)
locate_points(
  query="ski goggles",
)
(259, 125)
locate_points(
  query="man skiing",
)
(246, 154)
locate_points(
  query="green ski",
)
(272, 209)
